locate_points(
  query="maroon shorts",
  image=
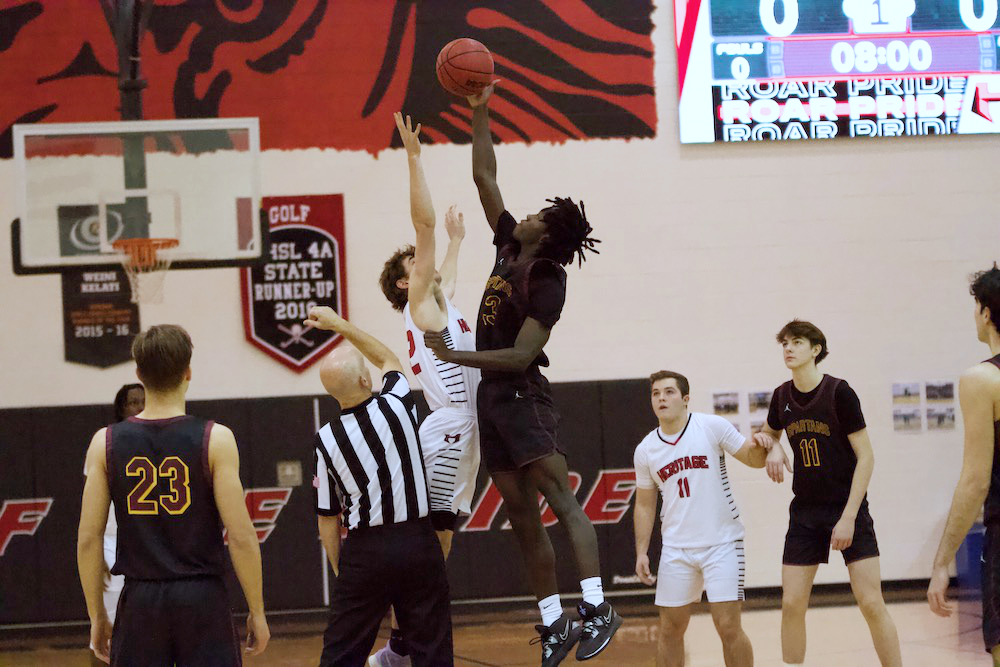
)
(517, 422)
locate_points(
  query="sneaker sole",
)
(615, 624)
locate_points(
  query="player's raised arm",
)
(374, 350)
(484, 160)
(244, 548)
(454, 224)
(975, 394)
(90, 544)
(424, 308)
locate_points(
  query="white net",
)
(146, 266)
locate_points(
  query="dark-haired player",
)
(517, 419)
(979, 397)
(821, 415)
(449, 436)
(175, 483)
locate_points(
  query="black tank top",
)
(991, 511)
(168, 524)
(824, 459)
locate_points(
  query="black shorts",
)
(517, 422)
(398, 565)
(807, 541)
(991, 587)
(182, 622)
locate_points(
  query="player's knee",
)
(871, 604)
(671, 629)
(729, 628)
(794, 603)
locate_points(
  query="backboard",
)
(83, 186)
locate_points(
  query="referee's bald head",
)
(345, 376)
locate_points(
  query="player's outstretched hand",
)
(843, 534)
(776, 464)
(937, 592)
(410, 137)
(764, 441)
(454, 223)
(642, 569)
(258, 634)
(435, 341)
(324, 317)
(483, 96)
(100, 639)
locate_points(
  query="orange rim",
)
(142, 252)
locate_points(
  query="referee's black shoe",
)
(557, 639)
(599, 625)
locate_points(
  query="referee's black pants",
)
(399, 565)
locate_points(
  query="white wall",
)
(707, 251)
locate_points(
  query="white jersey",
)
(690, 470)
(444, 384)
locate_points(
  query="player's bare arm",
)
(843, 532)
(224, 463)
(90, 544)
(776, 462)
(329, 537)
(375, 351)
(484, 161)
(751, 454)
(976, 390)
(643, 517)
(454, 224)
(527, 346)
(426, 309)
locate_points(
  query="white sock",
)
(551, 609)
(593, 590)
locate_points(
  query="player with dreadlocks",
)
(523, 299)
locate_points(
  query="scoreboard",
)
(764, 70)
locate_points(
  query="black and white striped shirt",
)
(369, 463)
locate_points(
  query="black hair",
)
(986, 288)
(122, 397)
(567, 232)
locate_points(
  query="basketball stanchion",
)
(146, 266)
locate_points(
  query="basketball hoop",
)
(145, 266)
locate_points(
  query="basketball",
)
(464, 67)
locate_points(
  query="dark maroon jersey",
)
(168, 524)
(817, 433)
(515, 291)
(991, 511)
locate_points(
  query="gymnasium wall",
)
(706, 252)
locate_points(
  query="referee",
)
(370, 470)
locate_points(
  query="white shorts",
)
(685, 573)
(449, 438)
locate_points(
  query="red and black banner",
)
(304, 267)
(329, 74)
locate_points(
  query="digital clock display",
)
(756, 70)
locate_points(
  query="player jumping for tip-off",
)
(522, 301)
(449, 436)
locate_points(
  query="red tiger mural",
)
(328, 74)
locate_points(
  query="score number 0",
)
(790, 21)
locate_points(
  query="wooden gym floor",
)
(838, 636)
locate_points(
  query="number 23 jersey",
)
(689, 468)
(168, 523)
